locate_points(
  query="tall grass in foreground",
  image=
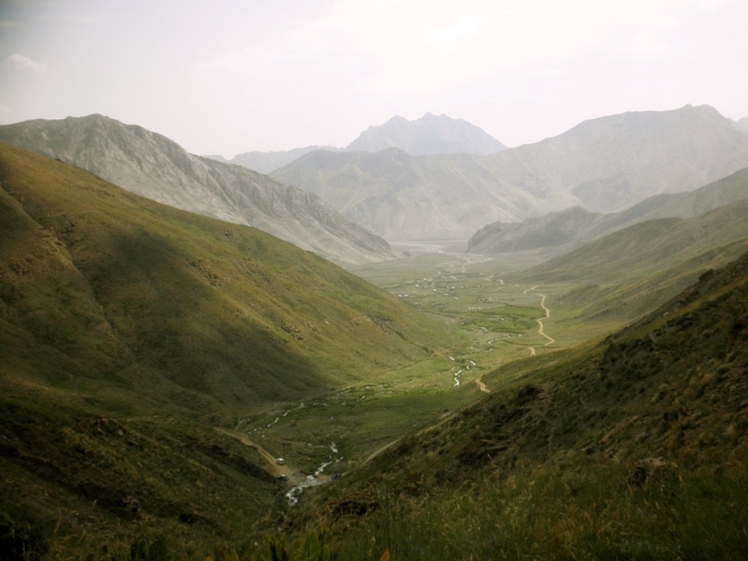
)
(555, 516)
(548, 514)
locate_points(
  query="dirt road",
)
(271, 464)
(541, 327)
(482, 386)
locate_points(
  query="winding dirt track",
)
(379, 451)
(541, 327)
(482, 386)
(551, 340)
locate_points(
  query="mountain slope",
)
(153, 166)
(603, 165)
(108, 280)
(574, 227)
(648, 246)
(428, 135)
(619, 277)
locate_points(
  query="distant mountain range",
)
(575, 226)
(155, 167)
(430, 134)
(603, 165)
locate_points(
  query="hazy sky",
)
(232, 76)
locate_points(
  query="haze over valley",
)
(478, 290)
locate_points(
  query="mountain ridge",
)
(430, 134)
(151, 165)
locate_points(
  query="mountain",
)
(633, 448)
(203, 303)
(650, 245)
(428, 135)
(603, 165)
(129, 329)
(550, 230)
(265, 162)
(403, 197)
(153, 166)
(574, 227)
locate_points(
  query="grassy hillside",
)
(633, 449)
(129, 329)
(219, 309)
(634, 270)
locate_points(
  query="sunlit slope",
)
(99, 284)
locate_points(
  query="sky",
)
(230, 76)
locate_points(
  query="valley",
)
(373, 281)
(188, 375)
(499, 323)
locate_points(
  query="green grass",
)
(219, 309)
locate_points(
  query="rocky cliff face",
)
(155, 167)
